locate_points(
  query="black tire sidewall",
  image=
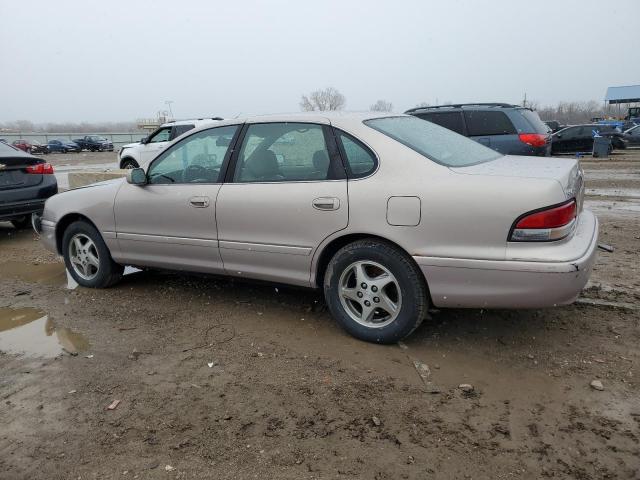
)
(107, 268)
(414, 297)
(22, 222)
(128, 161)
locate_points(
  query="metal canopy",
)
(627, 94)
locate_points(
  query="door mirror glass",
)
(136, 176)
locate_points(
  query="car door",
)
(285, 193)
(171, 221)
(562, 140)
(154, 144)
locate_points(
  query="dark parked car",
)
(633, 136)
(63, 146)
(94, 143)
(25, 183)
(30, 146)
(554, 125)
(579, 138)
(508, 129)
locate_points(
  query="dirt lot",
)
(227, 380)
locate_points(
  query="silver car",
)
(389, 214)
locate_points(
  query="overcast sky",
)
(121, 60)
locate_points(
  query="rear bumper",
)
(470, 283)
(20, 209)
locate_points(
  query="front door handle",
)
(326, 203)
(199, 202)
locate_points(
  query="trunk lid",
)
(566, 171)
(13, 170)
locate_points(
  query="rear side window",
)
(488, 123)
(450, 120)
(537, 125)
(360, 160)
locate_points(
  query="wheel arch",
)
(128, 157)
(329, 250)
(64, 223)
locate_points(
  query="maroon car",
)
(30, 146)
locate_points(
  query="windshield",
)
(433, 141)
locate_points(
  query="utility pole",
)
(168, 104)
(524, 102)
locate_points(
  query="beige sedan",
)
(389, 214)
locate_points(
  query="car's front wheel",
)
(129, 163)
(375, 291)
(87, 257)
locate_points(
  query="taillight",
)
(41, 169)
(551, 223)
(534, 139)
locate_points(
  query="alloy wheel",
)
(370, 294)
(84, 256)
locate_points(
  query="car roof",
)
(338, 119)
(464, 106)
(193, 121)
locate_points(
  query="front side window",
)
(488, 123)
(360, 160)
(196, 159)
(283, 152)
(161, 135)
(433, 141)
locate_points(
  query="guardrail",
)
(118, 139)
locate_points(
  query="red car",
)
(30, 147)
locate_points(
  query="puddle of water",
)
(611, 175)
(613, 192)
(50, 273)
(30, 332)
(612, 207)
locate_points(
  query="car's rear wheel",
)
(21, 222)
(375, 291)
(129, 163)
(87, 257)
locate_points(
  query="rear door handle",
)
(199, 202)
(326, 203)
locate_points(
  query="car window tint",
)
(283, 152)
(196, 159)
(180, 129)
(433, 141)
(450, 120)
(360, 160)
(533, 119)
(161, 136)
(488, 123)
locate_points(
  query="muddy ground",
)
(227, 380)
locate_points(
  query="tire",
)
(403, 287)
(128, 163)
(106, 273)
(22, 222)
(64, 150)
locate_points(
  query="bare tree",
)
(423, 104)
(323, 100)
(572, 112)
(381, 106)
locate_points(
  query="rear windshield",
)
(532, 117)
(433, 141)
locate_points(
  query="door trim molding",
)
(265, 248)
(197, 242)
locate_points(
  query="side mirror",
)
(558, 135)
(136, 176)
(143, 140)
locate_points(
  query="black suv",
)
(508, 129)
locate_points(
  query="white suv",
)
(134, 155)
